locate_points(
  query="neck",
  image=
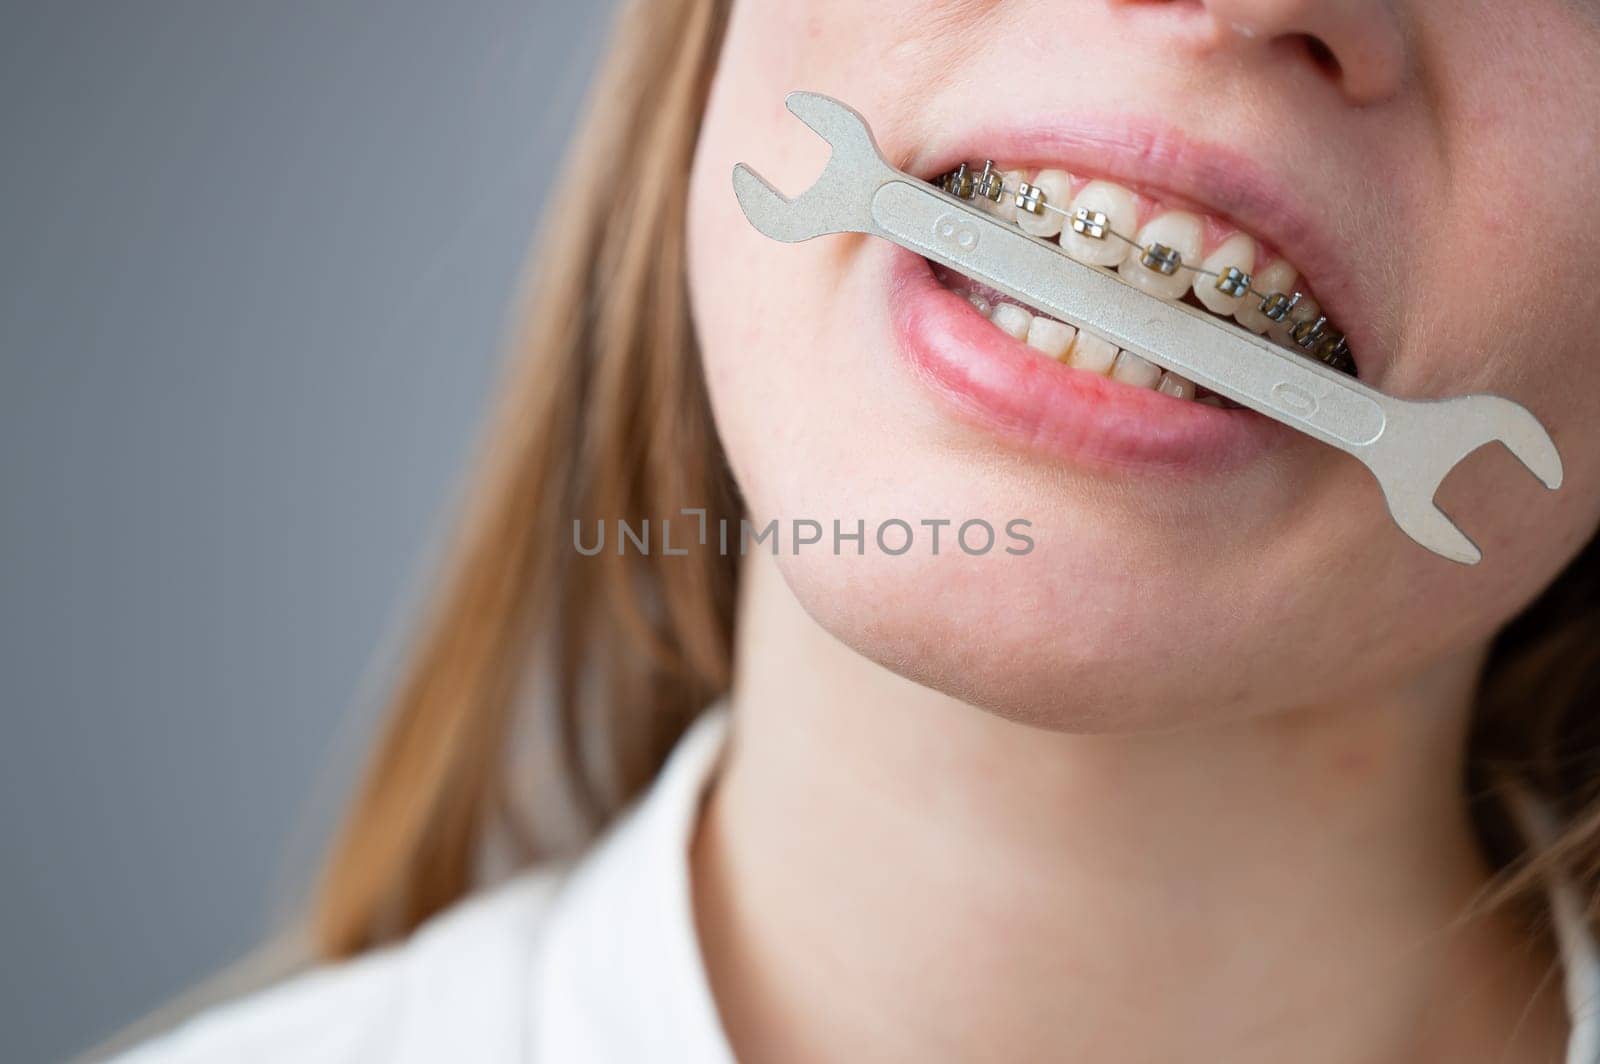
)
(884, 872)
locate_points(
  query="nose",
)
(1358, 44)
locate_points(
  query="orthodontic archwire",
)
(1313, 335)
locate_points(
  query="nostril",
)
(1356, 46)
(1321, 55)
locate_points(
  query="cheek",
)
(1501, 301)
(788, 332)
(756, 316)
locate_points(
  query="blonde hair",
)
(603, 413)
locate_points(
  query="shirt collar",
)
(620, 975)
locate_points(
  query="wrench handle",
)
(1302, 394)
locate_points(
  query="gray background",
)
(256, 261)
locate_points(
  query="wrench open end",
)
(770, 211)
(1421, 449)
(1527, 439)
(839, 200)
(1432, 528)
(839, 125)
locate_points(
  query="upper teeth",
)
(1121, 213)
(1165, 257)
(1238, 251)
(1167, 240)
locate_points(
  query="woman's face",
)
(1427, 168)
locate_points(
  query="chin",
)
(1052, 639)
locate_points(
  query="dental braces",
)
(1313, 334)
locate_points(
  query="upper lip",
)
(1167, 163)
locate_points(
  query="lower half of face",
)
(1152, 556)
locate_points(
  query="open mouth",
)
(1168, 250)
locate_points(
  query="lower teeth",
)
(1071, 347)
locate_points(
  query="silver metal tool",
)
(1410, 446)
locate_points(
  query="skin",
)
(1182, 783)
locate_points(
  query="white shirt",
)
(593, 964)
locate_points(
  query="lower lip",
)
(1005, 386)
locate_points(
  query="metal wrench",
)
(1410, 446)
